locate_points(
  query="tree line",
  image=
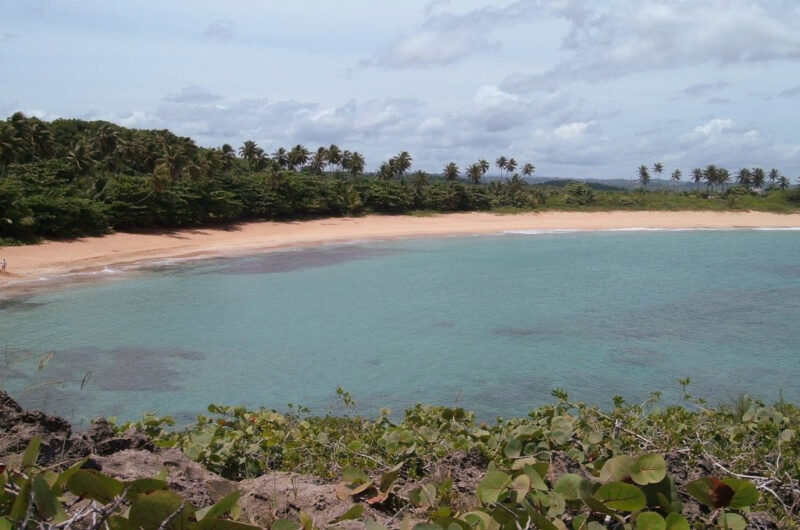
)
(750, 179)
(70, 177)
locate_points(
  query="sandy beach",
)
(53, 258)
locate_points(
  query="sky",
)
(581, 89)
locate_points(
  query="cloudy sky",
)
(579, 88)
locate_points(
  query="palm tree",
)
(774, 175)
(676, 176)
(515, 183)
(759, 177)
(8, 147)
(419, 182)
(42, 139)
(319, 160)
(658, 169)
(281, 156)
(451, 172)
(501, 163)
(228, 150)
(356, 163)
(724, 176)
(334, 156)
(528, 169)
(401, 163)
(386, 170)
(644, 176)
(744, 177)
(511, 165)
(298, 157)
(81, 158)
(175, 157)
(711, 176)
(484, 165)
(251, 152)
(697, 176)
(783, 182)
(475, 172)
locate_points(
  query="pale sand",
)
(56, 257)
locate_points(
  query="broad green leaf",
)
(676, 521)
(94, 485)
(20, 506)
(732, 521)
(492, 486)
(650, 521)
(513, 448)
(388, 478)
(710, 491)
(151, 510)
(220, 508)
(5, 524)
(44, 499)
(621, 496)
(424, 496)
(744, 493)
(649, 469)
(143, 485)
(355, 512)
(522, 485)
(537, 482)
(31, 452)
(569, 486)
(352, 475)
(65, 475)
(617, 469)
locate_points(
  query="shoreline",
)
(51, 262)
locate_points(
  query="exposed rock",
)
(18, 426)
(283, 495)
(195, 483)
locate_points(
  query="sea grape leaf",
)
(732, 521)
(492, 486)
(537, 482)
(388, 478)
(355, 512)
(151, 510)
(31, 453)
(617, 469)
(513, 448)
(45, 500)
(569, 486)
(650, 521)
(222, 507)
(676, 521)
(621, 496)
(649, 469)
(710, 491)
(744, 493)
(94, 485)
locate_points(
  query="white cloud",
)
(713, 127)
(569, 131)
(628, 36)
(222, 30)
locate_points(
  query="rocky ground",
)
(266, 498)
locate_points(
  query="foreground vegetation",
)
(566, 465)
(72, 178)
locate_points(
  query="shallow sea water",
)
(490, 323)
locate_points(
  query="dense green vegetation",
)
(70, 178)
(566, 465)
(567, 451)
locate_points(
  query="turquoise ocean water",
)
(490, 323)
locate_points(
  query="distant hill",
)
(560, 183)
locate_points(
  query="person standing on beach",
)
(3, 265)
